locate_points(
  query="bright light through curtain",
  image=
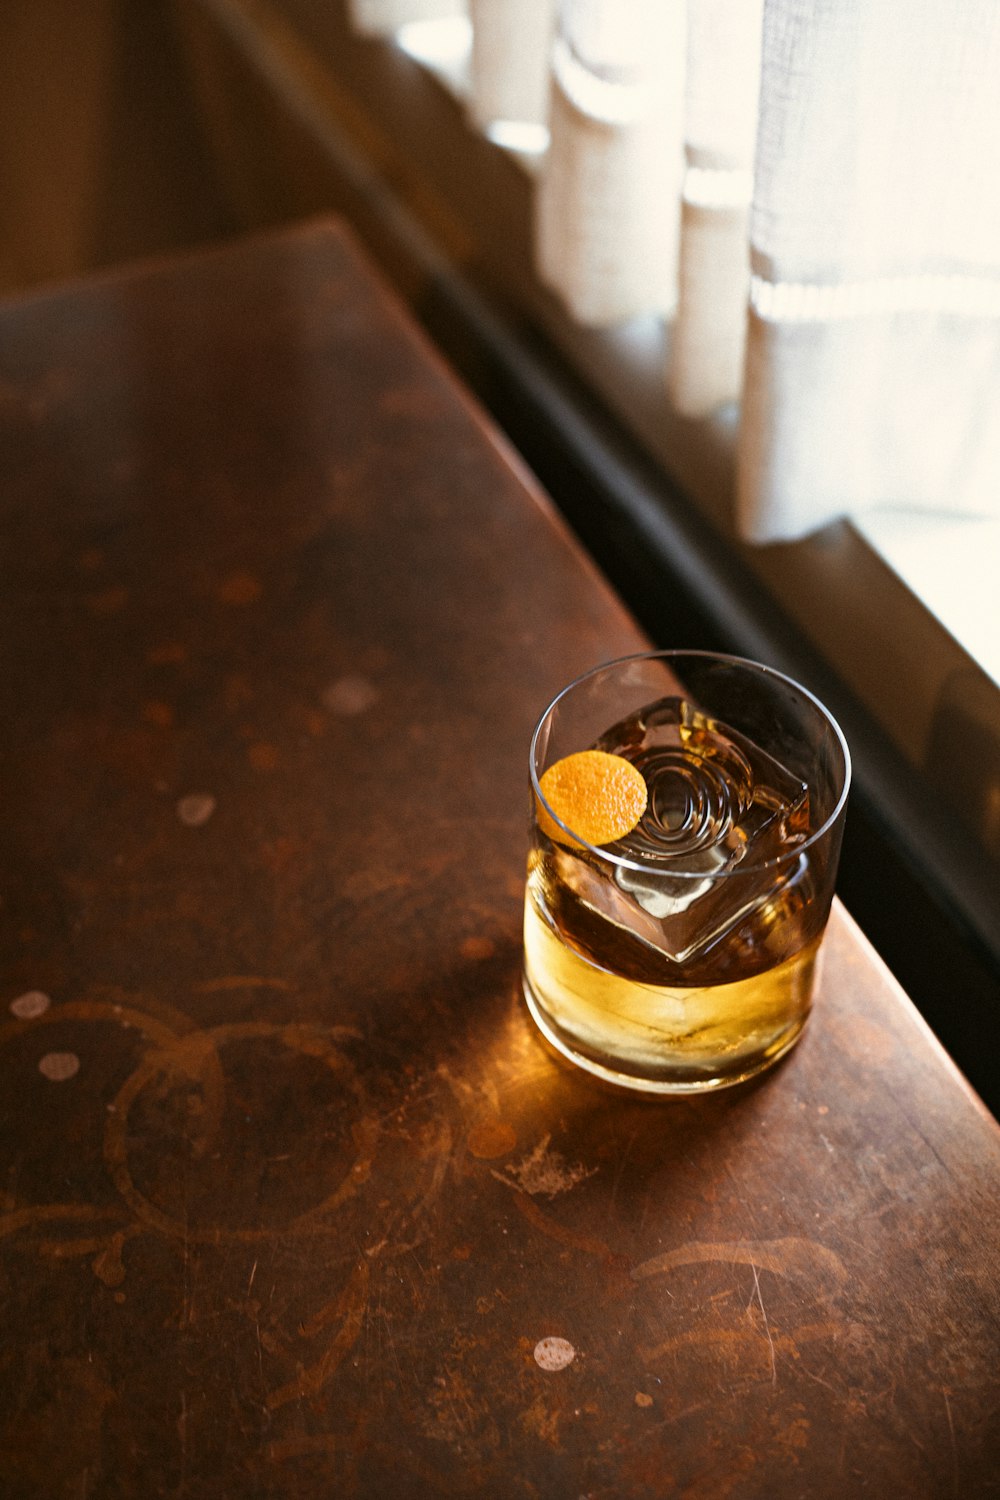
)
(811, 192)
(873, 371)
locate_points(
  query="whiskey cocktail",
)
(687, 811)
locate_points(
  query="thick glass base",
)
(675, 1077)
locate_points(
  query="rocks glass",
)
(681, 955)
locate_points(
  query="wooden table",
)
(293, 1196)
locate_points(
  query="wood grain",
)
(281, 612)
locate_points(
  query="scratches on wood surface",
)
(790, 1256)
(351, 1308)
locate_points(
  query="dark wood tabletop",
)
(295, 1202)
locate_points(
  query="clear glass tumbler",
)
(679, 954)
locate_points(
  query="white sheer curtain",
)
(385, 17)
(720, 127)
(811, 192)
(511, 49)
(607, 209)
(873, 370)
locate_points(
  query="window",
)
(892, 619)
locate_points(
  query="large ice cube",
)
(721, 811)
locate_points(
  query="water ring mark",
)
(186, 1058)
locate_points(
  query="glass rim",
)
(623, 861)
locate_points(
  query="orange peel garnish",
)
(600, 796)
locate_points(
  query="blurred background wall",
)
(102, 157)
